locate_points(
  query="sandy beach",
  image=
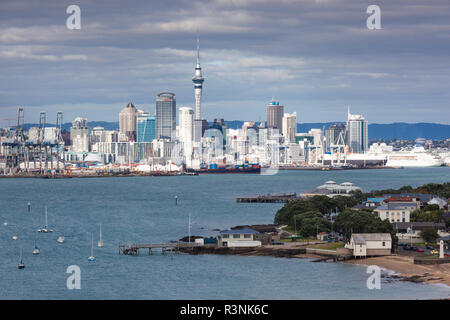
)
(407, 270)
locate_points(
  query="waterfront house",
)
(238, 238)
(370, 244)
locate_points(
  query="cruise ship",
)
(383, 155)
(418, 157)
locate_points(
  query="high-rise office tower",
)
(357, 133)
(275, 113)
(145, 128)
(127, 121)
(79, 135)
(186, 129)
(166, 116)
(289, 126)
(197, 79)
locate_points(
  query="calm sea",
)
(143, 210)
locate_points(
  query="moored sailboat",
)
(36, 249)
(92, 258)
(21, 265)
(45, 229)
(100, 241)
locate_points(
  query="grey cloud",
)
(314, 56)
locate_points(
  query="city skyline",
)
(93, 72)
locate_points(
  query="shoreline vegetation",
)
(298, 222)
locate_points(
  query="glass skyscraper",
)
(146, 128)
(166, 116)
(357, 133)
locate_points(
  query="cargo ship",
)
(215, 168)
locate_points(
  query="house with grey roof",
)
(370, 244)
(245, 237)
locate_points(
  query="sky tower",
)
(197, 79)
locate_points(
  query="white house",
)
(396, 212)
(238, 238)
(370, 244)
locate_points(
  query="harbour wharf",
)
(274, 198)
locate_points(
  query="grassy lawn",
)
(298, 240)
(329, 246)
(433, 256)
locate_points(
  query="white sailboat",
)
(5, 223)
(21, 265)
(36, 249)
(45, 229)
(92, 258)
(15, 238)
(100, 241)
(60, 239)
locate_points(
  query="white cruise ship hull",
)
(414, 160)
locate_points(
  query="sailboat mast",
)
(92, 245)
(100, 232)
(46, 220)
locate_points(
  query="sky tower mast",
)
(197, 79)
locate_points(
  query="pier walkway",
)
(274, 198)
(134, 249)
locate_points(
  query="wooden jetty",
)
(134, 249)
(274, 198)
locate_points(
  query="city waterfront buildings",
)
(145, 128)
(127, 121)
(275, 112)
(357, 133)
(186, 130)
(166, 113)
(289, 126)
(79, 135)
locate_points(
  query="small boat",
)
(60, 239)
(21, 265)
(15, 238)
(92, 258)
(36, 249)
(100, 242)
(45, 229)
(5, 224)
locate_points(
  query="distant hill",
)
(398, 130)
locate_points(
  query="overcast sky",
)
(314, 56)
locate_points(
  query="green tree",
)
(311, 222)
(360, 221)
(429, 234)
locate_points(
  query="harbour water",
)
(143, 210)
